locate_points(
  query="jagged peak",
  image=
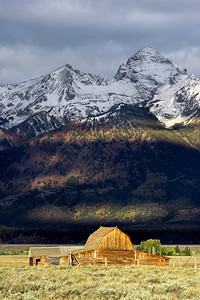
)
(62, 68)
(68, 66)
(148, 51)
(150, 63)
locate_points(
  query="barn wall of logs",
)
(39, 261)
(109, 257)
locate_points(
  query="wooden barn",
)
(107, 245)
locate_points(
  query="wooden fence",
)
(185, 261)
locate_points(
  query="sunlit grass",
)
(99, 282)
(14, 260)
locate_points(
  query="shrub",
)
(147, 246)
(177, 249)
(187, 251)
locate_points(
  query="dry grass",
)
(14, 260)
(99, 282)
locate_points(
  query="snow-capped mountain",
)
(147, 79)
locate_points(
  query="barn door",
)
(54, 261)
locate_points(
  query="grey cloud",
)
(187, 57)
(23, 63)
(94, 36)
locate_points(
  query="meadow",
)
(96, 282)
(14, 260)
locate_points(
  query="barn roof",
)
(76, 251)
(43, 251)
(47, 251)
(96, 237)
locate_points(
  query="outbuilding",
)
(41, 255)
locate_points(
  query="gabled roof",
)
(43, 251)
(48, 251)
(51, 251)
(95, 238)
(76, 251)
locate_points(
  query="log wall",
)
(41, 260)
(91, 257)
(129, 257)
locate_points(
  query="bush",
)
(177, 249)
(147, 246)
(187, 251)
(168, 251)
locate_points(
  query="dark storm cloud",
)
(94, 36)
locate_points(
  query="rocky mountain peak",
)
(150, 51)
(66, 94)
(148, 64)
(147, 53)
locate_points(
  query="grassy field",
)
(19, 281)
(14, 260)
(99, 282)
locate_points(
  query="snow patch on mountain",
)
(177, 101)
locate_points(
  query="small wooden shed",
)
(41, 255)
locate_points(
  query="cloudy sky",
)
(96, 36)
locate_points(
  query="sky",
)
(95, 36)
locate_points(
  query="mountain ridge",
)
(67, 94)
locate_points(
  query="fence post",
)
(153, 250)
(180, 263)
(138, 262)
(70, 259)
(106, 262)
(195, 261)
